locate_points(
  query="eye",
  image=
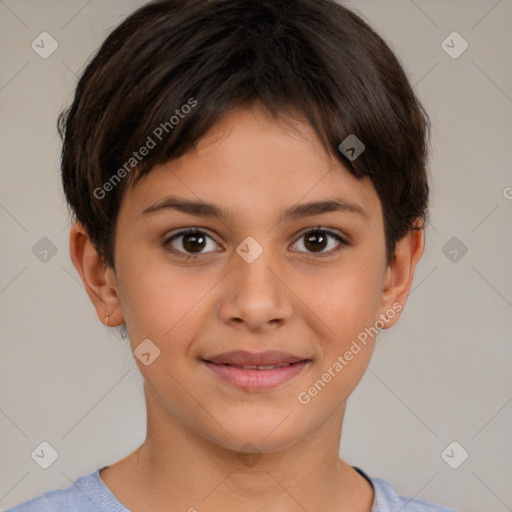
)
(189, 243)
(317, 240)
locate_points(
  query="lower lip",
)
(256, 380)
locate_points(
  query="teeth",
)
(256, 367)
(268, 367)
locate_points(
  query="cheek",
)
(347, 298)
(347, 302)
(159, 301)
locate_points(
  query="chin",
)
(251, 434)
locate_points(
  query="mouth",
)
(255, 372)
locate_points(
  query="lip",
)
(227, 367)
(246, 358)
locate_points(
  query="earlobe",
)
(98, 279)
(400, 274)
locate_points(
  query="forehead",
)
(251, 163)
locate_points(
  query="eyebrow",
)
(201, 209)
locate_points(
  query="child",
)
(252, 130)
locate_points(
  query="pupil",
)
(317, 236)
(197, 242)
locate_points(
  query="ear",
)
(399, 275)
(99, 279)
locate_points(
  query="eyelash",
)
(315, 230)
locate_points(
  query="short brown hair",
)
(311, 58)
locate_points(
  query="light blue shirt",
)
(89, 493)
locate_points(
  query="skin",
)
(291, 298)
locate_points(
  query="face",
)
(256, 271)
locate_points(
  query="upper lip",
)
(244, 358)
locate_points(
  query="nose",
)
(256, 294)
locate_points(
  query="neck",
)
(179, 467)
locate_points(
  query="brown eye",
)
(193, 242)
(190, 242)
(317, 240)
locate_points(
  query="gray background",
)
(442, 374)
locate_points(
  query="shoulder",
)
(86, 493)
(387, 500)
